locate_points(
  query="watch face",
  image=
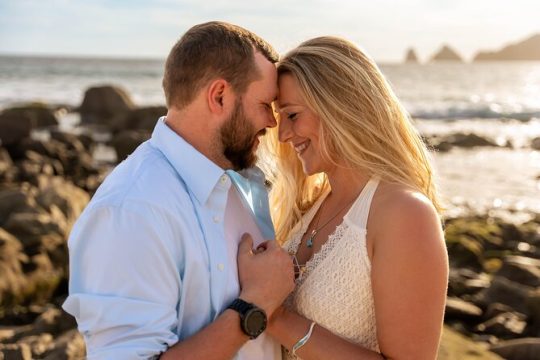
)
(255, 322)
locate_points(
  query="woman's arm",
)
(409, 280)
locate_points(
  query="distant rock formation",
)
(411, 56)
(446, 53)
(528, 49)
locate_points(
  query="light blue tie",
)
(250, 186)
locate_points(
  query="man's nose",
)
(284, 132)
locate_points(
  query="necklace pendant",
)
(309, 242)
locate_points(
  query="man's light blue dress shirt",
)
(148, 260)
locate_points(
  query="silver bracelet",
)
(303, 340)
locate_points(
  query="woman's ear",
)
(220, 97)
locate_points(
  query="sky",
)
(385, 29)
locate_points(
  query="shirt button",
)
(216, 219)
(224, 179)
(221, 267)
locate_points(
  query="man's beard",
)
(238, 136)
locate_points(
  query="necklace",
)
(314, 232)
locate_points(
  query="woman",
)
(368, 287)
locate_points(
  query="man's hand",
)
(266, 276)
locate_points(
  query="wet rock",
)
(69, 346)
(518, 349)
(457, 309)
(102, 104)
(15, 352)
(505, 325)
(523, 270)
(127, 141)
(466, 282)
(506, 292)
(39, 344)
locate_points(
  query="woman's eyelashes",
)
(292, 116)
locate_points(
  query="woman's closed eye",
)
(292, 116)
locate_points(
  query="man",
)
(156, 262)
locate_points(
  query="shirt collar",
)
(198, 172)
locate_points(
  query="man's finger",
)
(246, 244)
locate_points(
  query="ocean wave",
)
(487, 112)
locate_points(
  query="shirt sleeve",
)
(124, 282)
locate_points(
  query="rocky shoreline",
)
(493, 308)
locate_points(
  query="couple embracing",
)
(181, 254)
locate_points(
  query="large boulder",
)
(506, 292)
(518, 349)
(13, 129)
(40, 115)
(101, 104)
(143, 118)
(127, 141)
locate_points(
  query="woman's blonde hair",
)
(363, 127)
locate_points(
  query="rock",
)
(535, 143)
(11, 259)
(30, 227)
(457, 309)
(528, 49)
(127, 141)
(102, 104)
(455, 346)
(497, 308)
(15, 200)
(465, 281)
(69, 346)
(15, 352)
(523, 270)
(39, 344)
(506, 292)
(13, 129)
(74, 142)
(143, 118)
(446, 54)
(518, 349)
(469, 140)
(411, 56)
(505, 325)
(70, 199)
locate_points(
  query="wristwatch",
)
(252, 318)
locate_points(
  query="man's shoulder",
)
(145, 176)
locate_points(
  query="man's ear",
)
(220, 97)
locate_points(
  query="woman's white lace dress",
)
(334, 289)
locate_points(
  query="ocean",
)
(497, 100)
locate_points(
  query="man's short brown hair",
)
(209, 51)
